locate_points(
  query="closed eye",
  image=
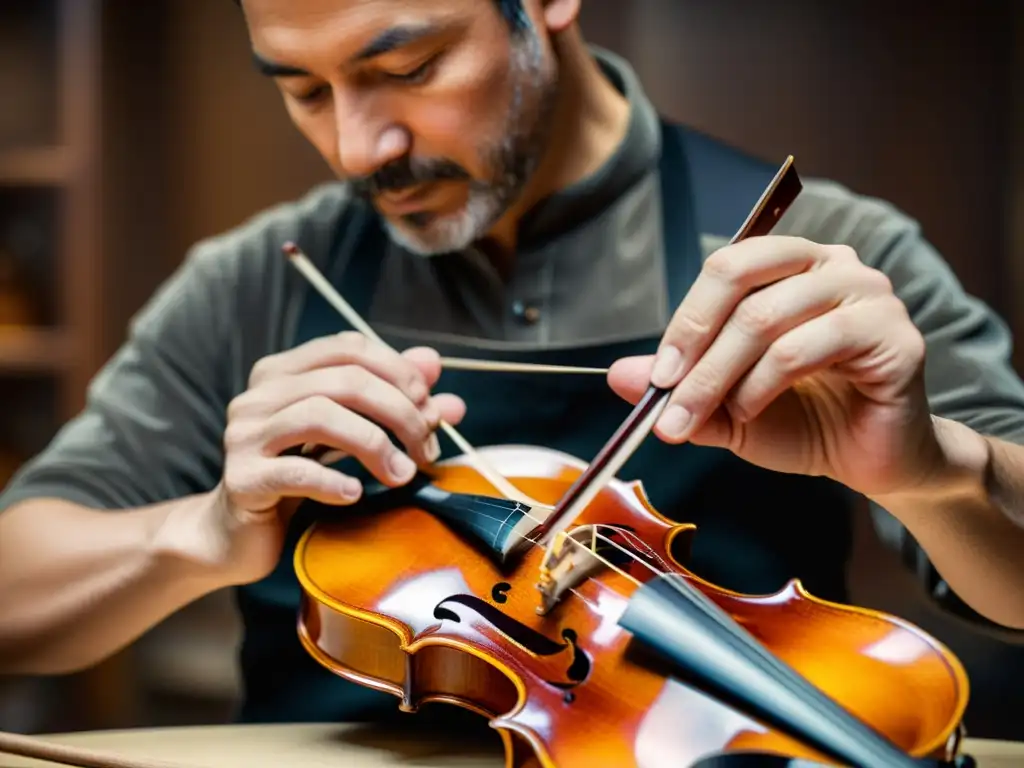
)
(313, 95)
(417, 75)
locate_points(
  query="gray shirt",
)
(590, 266)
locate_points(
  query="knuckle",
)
(352, 341)
(237, 435)
(414, 381)
(316, 410)
(756, 316)
(354, 379)
(262, 370)
(416, 425)
(688, 322)
(702, 384)
(786, 355)
(237, 408)
(376, 442)
(840, 252)
(722, 265)
(877, 281)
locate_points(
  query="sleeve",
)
(154, 415)
(969, 372)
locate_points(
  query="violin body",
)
(401, 602)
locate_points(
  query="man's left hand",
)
(799, 358)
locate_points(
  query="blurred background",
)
(129, 129)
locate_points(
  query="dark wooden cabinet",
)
(51, 276)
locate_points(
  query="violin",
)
(621, 659)
(550, 597)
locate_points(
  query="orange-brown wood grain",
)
(399, 602)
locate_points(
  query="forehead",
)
(293, 29)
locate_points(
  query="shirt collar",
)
(635, 157)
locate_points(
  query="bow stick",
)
(36, 748)
(470, 364)
(773, 203)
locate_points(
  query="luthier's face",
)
(437, 111)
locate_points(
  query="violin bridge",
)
(566, 565)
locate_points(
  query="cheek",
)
(462, 115)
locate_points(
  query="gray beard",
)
(515, 159)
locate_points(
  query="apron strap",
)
(362, 269)
(707, 189)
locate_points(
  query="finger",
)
(451, 407)
(862, 334)
(324, 422)
(630, 377)
(349, 348)
(728, 275)
(717, 431)
(427, 360)
(359, 390)
(259, 483)
(759, 319)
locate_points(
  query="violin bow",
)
(784, 188)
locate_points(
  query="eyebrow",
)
(387, 41)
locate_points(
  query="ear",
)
(560, 14)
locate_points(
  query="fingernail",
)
(433, 449)
(402, 467)
(668, 367)
(351, 488)
(674, 422)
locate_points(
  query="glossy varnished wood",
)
(398, 602)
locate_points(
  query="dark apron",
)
(757, 529)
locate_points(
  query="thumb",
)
(630, 377)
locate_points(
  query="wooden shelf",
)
(34, 350)
(46, 165)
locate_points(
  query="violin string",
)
(334, 298)
(676, 581)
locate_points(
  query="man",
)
(510, 193)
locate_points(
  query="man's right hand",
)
(340, 392)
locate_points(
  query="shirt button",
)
(525, 313)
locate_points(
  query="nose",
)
(366, 141)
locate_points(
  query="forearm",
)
(971, 524)
(76, 585)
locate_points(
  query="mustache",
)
(408, 172)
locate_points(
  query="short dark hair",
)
(512, 10)
(514, 13)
